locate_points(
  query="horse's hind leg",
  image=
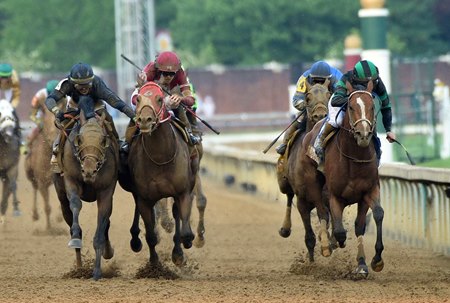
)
(285, 230)
(162, 214)
(201, 200)
(184, 205)
(177, 251)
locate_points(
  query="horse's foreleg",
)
(135, 242)
(184, 203)
(377, 263)
(285, 230)
(101, 238)
(360, 229)
(201, 206)
(4, 203)
(310, 238)
(147, 211)
(46, 197)
(12, 177)
(177, 251)
(75, 229)
(339, 232)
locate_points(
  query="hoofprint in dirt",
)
(244, 260)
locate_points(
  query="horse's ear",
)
(370, 86)
(349, 87)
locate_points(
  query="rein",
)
(164, 162)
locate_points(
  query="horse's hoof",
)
(377, 266)
(97, 274)
(35, 216)
(326, 251)
(284, 232)
(74, 243)
(108, 253)
(17, 213)
(342, 244)
(187, 243)
(2, 219)
(178, 260)
(362, 271)
(136, 244)
(199, 241)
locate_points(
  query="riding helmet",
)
(5, 70)
(320, 69)
(168, 62)
(365, 71)
(81, 73)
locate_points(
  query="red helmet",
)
(168, 62)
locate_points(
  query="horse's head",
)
(91, 145)
(7, 120)
(361, 113)
(150, 107)
(316, 101)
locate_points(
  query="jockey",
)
(87, 91)
(10, 90)
(37, 109)
(167, 71)
(359, 77)
(318, 73)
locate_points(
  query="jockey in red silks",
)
(168, 73)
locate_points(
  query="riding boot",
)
(319, 146)
(54, 160)
(129, 133)
(281, 149)
(181, 115)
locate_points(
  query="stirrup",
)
(55, 165)
(124, 147)
(194, 139)
(281, 149)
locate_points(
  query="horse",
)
(288, 170)
(9, 158)
(162, 213)
(160, 165)
(90, 171)
(351, 174)
(37, 162)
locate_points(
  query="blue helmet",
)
(81, 73)
(321, 70)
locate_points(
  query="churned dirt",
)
(244, 260)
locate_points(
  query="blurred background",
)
(244, 56)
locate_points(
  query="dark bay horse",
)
(90, 172)
(288, 170)
(9, 158)
(161, 165)
(351, 174)
(37, 162)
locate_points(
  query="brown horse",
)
(9, 158)
(351, 173)
(162, 213)
(288, 171)
(90, 172)
(161, 165)
(37, 162)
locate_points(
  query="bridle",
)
(372, 124)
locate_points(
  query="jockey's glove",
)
(299, 104)
(59, 114)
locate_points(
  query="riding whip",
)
(407, 154)
(278, 137)
(167, 92)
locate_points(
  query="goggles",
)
(168, 74)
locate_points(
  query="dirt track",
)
(244, 260)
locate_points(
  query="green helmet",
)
(365, 71)
(5, 70)
(51, 85)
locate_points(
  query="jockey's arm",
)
(15, 89)
(112, 99)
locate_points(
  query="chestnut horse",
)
(288, 171)
(90, 171)
(37, 162)
(9, 158)
(351, 174)
(160, 165)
